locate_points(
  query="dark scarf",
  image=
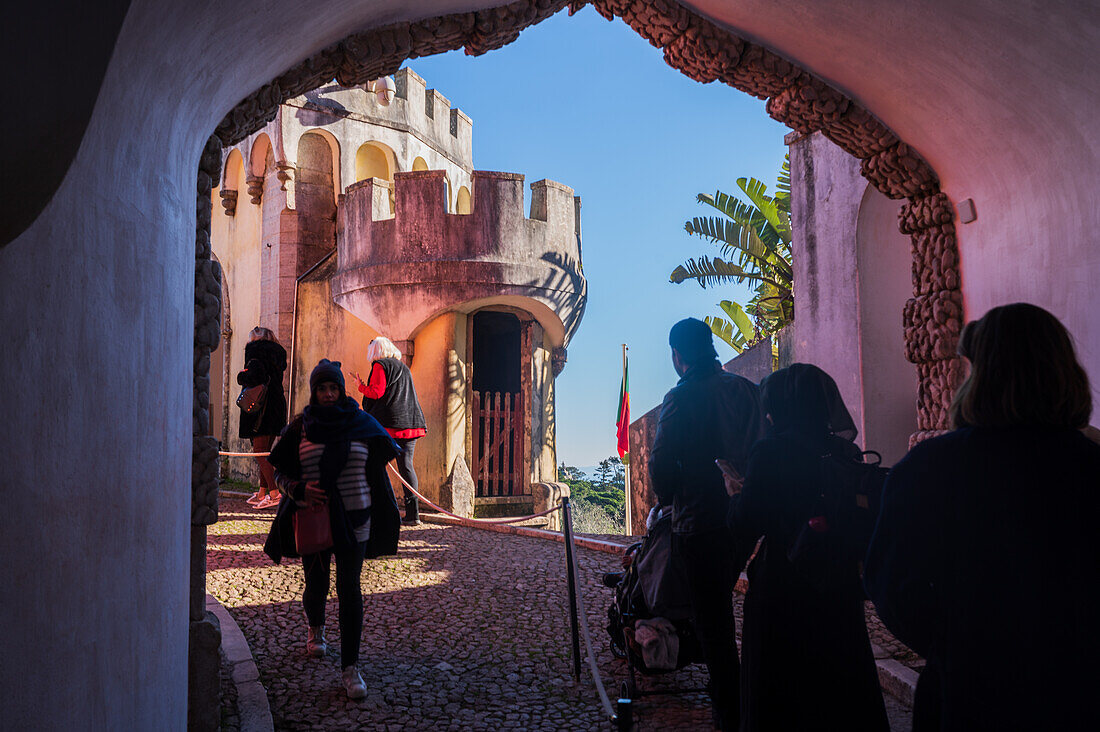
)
(336, 427)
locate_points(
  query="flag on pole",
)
(622, 426)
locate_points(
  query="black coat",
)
(806, 658)
(398, 407)
(985, 561)
(385, 519)
(264, 363)
(709, 414)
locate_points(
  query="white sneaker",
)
(353, 683)
(315, 642)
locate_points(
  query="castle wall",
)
(404, 270)
(419, 123)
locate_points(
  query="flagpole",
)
(628, 528)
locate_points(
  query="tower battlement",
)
(436, 259)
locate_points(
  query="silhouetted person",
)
(710, 414)
(806, 658)
(985, 558)
(335, 453)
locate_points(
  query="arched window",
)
(419, 164)
(462, 200)
(374, 160)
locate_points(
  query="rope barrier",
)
(506, 520)
(572, 556)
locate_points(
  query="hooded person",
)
(334, 453)
(806, 657)
(709, 415)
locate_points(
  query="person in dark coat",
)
(806, 658)
(985, 557)
(390, 397)
(264, 363)
(709, 415)
(334, 453)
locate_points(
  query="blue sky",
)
(591, 104)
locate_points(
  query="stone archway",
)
(703, 51)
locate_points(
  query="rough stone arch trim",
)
(705, 52)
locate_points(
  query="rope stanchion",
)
(571, 554)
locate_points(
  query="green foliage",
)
(758, 234)
(603, 495)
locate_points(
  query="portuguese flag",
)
(622, 426)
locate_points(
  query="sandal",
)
(255, 499)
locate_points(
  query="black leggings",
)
(405, 464)
(349, 567)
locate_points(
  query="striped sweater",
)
(352, 484)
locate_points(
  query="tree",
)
(610, 473)
(759, 233)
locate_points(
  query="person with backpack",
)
(806, 657)
(264, 364)
(709, 415)
(985, 558)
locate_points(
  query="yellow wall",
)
(431, 352)
(324, 330)
(236, 243)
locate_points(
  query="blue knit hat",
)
(326, 370)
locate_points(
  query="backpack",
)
(834, 538)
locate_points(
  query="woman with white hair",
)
(390, 397)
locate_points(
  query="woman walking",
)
(806, 658)
(985, 558)
(264, 364)
(335, 454)
(390, 397)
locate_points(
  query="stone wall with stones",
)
(204, 637)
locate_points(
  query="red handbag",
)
(312, 530)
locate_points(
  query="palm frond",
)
(727, 332)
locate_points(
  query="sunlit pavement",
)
(464, 629)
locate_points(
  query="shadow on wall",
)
(566, 289)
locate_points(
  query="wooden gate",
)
(498, 444)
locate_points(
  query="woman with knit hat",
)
(334, 453)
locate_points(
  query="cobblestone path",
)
(464, 629)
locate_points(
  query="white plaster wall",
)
(889, 381)
(97, 307)
(826, 191)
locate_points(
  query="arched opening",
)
(419, 164)
(315, 202)
(771, 76)
(889, 381)
(232, 177)
(462, 200)
(497, 405)
(374, 160)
